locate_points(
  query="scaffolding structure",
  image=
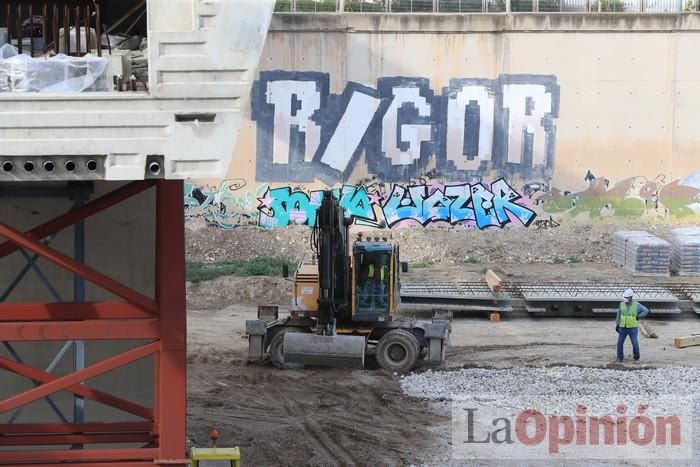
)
(156, 327)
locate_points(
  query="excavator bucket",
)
(336, 351)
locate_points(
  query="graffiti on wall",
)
(636, 197)
(425, 201)
(473, 127)
(227, 206)
(496, 205)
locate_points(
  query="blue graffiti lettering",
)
(496, 206)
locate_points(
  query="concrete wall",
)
(583, 117)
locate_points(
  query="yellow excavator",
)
(345, 306)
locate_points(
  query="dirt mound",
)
(213, 245)
(230, 290)
(564, 244)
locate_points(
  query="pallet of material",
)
(687, 341)
(620, 239)
(694, 231)
(685, 251)
(648, 256)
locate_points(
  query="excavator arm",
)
(330, 244)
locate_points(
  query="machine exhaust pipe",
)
(335, 351)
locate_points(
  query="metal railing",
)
(486, 6)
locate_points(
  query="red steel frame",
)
(162, 322)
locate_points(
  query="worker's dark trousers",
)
(624, 332)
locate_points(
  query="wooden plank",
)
(494, 282)
(687, 341)
(647, 330)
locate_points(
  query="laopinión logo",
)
(488, 426)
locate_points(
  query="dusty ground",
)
(352, 417)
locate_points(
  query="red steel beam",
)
(170, 394)
(94, 464)
(78, 389)
(78, 268)
(68, 428)
(58, 439)
(80, 455)
(70, 311)
(65, 382)
(88, 209)
(115, 329)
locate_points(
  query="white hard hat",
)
(629, 293)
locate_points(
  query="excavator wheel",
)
(398, 351)
(276, 350)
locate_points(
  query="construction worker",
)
(373, 288)
(365, 283)
(380, 283)
(626, 323)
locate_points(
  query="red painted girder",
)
(59, 439)
(78, 389)
(77, 268)
(68, 381)
(93, 464)
(76, 215)
(68, 428)
(80, 455)
(70, 311)
(40, 331)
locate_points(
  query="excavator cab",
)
(374, 281)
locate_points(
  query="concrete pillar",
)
(340, 6)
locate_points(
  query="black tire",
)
(398, 351)
(276, 351)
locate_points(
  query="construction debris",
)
(688, 341)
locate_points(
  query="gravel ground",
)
(566, 380)
(557, 391)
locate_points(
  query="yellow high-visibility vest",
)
(382, 272)
(628, 315)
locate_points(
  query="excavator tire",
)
(276, 350)
(398, 351)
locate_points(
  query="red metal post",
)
(170, 294)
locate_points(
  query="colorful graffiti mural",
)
(476, 127)
(635, 197)
(425, 201)
(478, 205)
(472, 205)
